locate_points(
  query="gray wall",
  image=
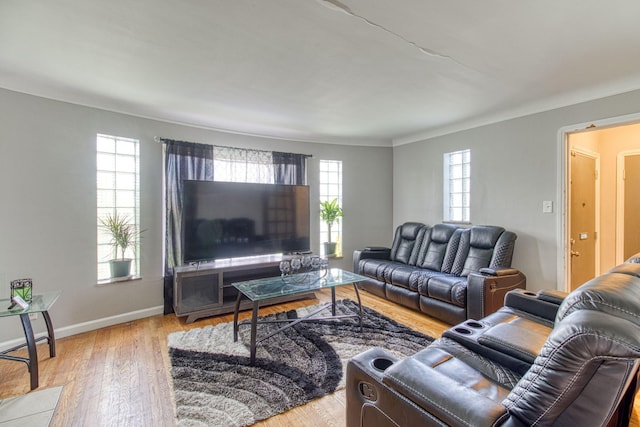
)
(47, 182)
(47, 218)
(515, 165)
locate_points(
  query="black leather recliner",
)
(542, 360)
(445, 271)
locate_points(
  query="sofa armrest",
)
(486, 293)
(370, 252)
(450, 401)
(543, 304)
(552, 296)
(501, 271)
(375, 400)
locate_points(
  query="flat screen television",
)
(231, 219)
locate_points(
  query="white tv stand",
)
(205, 289)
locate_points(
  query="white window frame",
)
(118, 190)
(457, 187)
(331, 188)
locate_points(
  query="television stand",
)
(205, 289)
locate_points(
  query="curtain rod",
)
(160, 140)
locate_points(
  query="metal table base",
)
(289, 322)
(32, 360)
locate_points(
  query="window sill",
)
(458, 222)
(118, 280)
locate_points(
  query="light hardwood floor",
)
(119, 376)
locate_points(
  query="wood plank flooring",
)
(119, 376)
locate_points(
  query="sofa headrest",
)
(410, 230)
(634, 258)
(441, 233)
(484, 236)
(617, 294)
(630, 268)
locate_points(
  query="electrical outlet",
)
(33, 316)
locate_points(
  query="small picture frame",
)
(22, 288)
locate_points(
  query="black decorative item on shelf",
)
(304, 264)
(22, 288)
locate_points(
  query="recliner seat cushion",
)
(450, 289)
(401, 276)
(379, 269)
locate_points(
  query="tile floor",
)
(34, 409)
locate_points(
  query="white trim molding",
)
(92, 325)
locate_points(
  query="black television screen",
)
(231, 219)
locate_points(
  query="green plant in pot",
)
(329, 213)
(123, 235)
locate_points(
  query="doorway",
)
(584, 198)
(617, 145)
(628, 203)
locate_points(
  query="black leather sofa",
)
(543, 359)
(445, 271)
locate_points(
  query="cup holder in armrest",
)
(471, 334)
(467, 332)
(474, 324)
(381, 363)
(469, 327)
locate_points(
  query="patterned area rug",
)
(214, 385)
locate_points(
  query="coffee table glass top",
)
(271, 287)
(39, 303)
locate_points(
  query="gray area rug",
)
(214, 385)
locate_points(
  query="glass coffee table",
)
(263, 290)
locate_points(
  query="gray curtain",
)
(182, 161)
(290, 168)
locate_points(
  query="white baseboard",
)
(91, 325)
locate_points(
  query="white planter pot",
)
(120, 268)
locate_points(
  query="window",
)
(241, 165)
(118, 191)
(331, 188)
(457, 186)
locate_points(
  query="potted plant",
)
(330, 212)
(123, 235)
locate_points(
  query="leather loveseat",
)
(445, 271)
(541, 360)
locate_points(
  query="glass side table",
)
(40, 304)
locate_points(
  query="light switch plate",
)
(547, 206)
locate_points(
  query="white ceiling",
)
(373, 72)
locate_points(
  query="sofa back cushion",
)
(483, 246)
(616, 293)
(407, 241)
(439, 247)
(589, 358)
